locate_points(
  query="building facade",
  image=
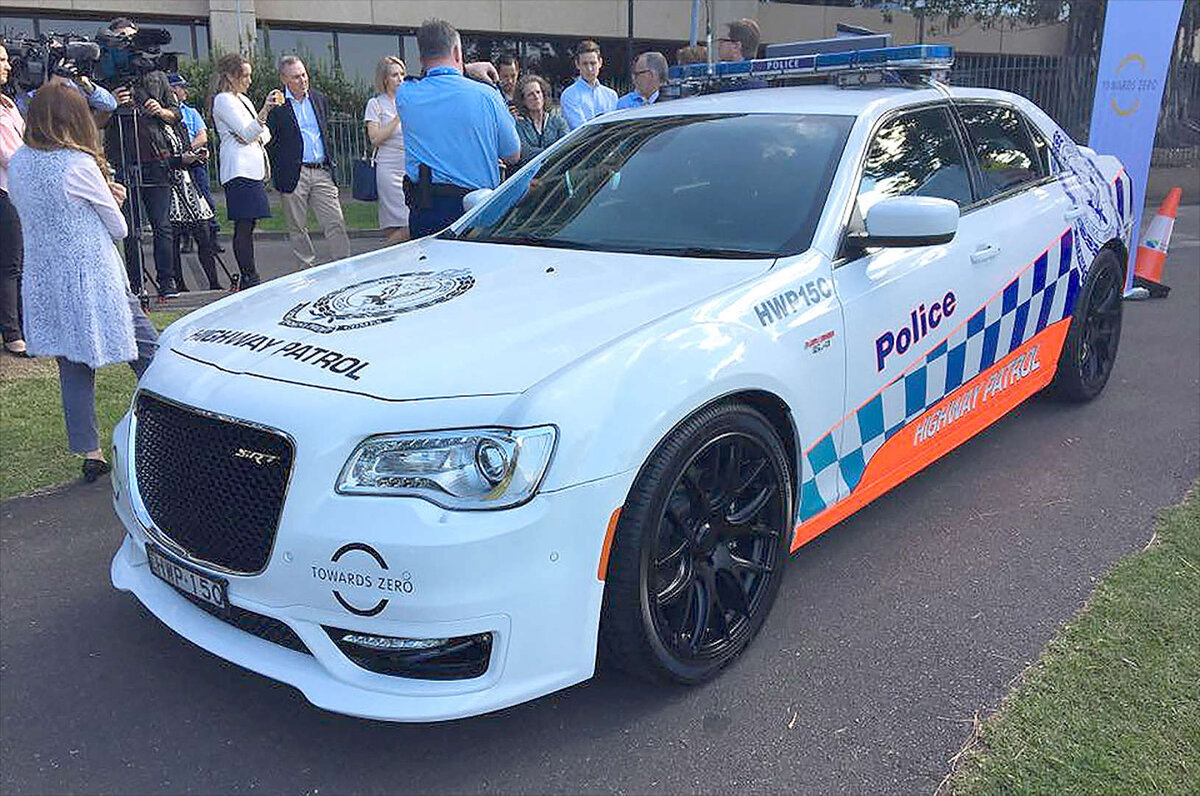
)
(356, 33)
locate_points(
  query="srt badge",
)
(378, 300)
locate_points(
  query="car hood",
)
(439, 318)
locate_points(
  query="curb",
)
(273, 235)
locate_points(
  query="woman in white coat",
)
(243, 162)
(75, 293)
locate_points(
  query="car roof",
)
(818, 99)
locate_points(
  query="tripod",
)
(132, 174)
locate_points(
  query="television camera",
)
(110, 59)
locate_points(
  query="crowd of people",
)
(82, 166)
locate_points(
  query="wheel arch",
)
(771, 406)
(1117, 246)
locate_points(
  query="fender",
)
(614, 406)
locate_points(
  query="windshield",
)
(745, 185)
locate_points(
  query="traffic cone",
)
(1152, 254)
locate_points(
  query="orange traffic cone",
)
(1152, 254)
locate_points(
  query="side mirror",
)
(908, 221)
(474, 198)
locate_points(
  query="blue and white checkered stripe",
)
(1042, 294)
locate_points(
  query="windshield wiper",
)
(705, 251)
(534, 240)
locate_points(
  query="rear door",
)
(1026, 256)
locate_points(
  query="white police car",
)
(426, 482)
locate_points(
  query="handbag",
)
(363, 185)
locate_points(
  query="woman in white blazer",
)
(243, 162)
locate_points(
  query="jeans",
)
(154, 201)
(78, 384)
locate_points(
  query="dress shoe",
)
(16, 348)
(94, 468)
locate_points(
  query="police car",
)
(606, 405)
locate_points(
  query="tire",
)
(700, 548)
(1091, 346)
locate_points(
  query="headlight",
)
(486, 468)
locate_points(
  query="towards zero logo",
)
(356, 568)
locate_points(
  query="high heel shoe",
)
(94, 468)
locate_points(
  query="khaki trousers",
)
(315, 190)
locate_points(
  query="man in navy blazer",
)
(302, 164)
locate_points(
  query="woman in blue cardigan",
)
(75, 293)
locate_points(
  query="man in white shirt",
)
(586, 98)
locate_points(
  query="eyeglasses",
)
(637, 72)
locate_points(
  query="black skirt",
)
(246, 199)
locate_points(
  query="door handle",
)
(984, 253)
(1074, 212)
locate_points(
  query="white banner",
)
(1139, 36)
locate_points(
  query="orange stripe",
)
(602, 570)
(904, 455)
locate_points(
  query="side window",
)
(915, 154)
(1000, 140)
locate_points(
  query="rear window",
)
(1003, 147)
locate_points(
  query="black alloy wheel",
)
(700, 548)
(1090, 350)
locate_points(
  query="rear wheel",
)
(1091, 347)
(700, 548)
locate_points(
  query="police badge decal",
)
(378, 301)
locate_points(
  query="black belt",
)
(322, 165)
(419, 195)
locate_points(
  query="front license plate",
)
(190, 581)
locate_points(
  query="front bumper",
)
(527, 576)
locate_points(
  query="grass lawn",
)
(32, 435)
(1113, 705)
(359, 215)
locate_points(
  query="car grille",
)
(264, 627)
(212, 486)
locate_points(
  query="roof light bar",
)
(912, 57)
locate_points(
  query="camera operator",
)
(136, 138)
(99, 99)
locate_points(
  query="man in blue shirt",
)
(98, 98)
(301, 164)
(649, 73)
(456, 131)
(586, 98)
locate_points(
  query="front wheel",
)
(1090, 350)
(700, 547)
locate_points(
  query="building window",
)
(16, 27)
(358, 53)
(310, 45)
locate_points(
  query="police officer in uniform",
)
(456, 131)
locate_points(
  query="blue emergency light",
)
(760, 72)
